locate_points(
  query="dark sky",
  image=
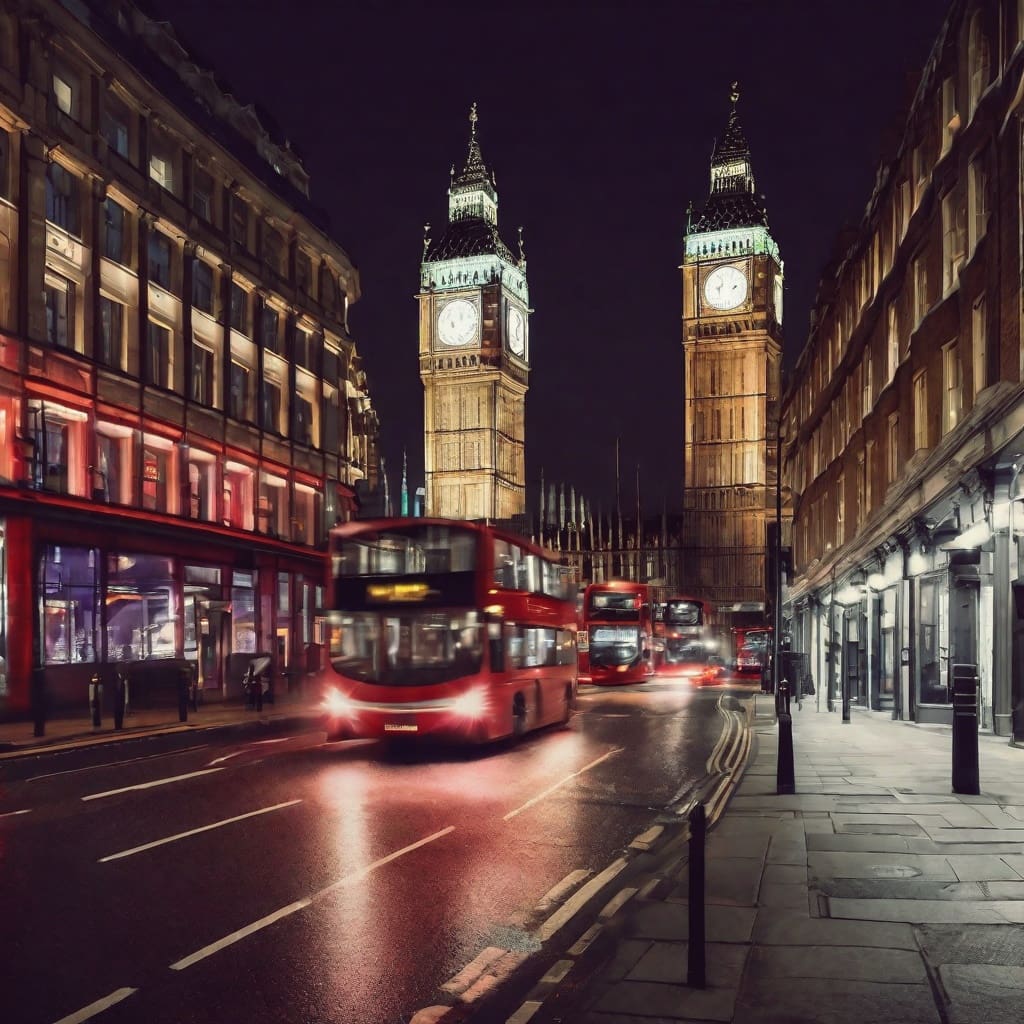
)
(598, 122)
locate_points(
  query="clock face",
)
(725, 288)
(516, 332)
(457, 322)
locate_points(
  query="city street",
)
(289, 879)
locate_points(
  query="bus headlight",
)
(336, 703)
(472, 704)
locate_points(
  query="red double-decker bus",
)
(446, 628)
(688, 640)
(617, 620)
(751, 644)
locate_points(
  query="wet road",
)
(292, 880)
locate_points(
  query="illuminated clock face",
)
(457, 322)
(517, 332)
(725, 288)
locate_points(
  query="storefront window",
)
(202, 476)
(272, 512)
(142, 601)
(243, 612)
(8, 434)
(931, 651)
(112, 477)
(59, 437)
(69, 604)
(887, 653)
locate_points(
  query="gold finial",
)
(734, 93)
(472, 120)
(426, 238)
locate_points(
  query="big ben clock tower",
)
(732, 353)
(474, 355)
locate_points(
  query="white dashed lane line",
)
(151, 785)
(98, 1007)
(561, 782)
(14, 814)
(115, 764)
(195, 831)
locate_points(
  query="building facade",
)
(474, 353)
(904, 426)
(183, 413)
(732, 346)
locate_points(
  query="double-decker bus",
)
(446, 628)
(617, 620)
(751, 645)
(689, 640)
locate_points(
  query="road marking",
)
(114, 764)
(264, 922)
(525, 1012)
(568, 778)
(283, 739)
(12, 814)
(98, 1007)
(196, 831)
(150, 785)
(568, 909)
(226, 757)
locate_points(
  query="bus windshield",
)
(683, 613)
(406, 647)
(614, 605)
(614, 645)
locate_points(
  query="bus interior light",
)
(471, 704)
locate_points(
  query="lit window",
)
(202, 390)
(951, 388)
(920, 288)
(272, 508)
(156, 365)
(112, 475)
(202, 479)
(271, 329)
(161, 170)
(60, 311)
(159, 474)
(953, 240)
(65, 92)
(239, 402)
(977, 202)
(238, 496)
(892, 343)
(950, 117)
(978, 61)
(920, 411)
(69, 604)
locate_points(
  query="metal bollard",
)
(785, 777)
(965, 730)
(120, 699)
(95, 693)
(695, 947)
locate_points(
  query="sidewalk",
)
(874, 894)
(66, 732)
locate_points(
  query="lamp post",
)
(777, 611)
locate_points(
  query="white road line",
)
(283, 739)
(150, 785)
(525, 1012)
(114, 764)
(226, 757)
(98, 1007)
(265, 922)
(196, 831)
(12, 814)
(568, 909)
(568, 778)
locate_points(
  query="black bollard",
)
(785, 778)
(965, 730)
(120, 697)
(38, 700)
(95, 690)
(696, 952)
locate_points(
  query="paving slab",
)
(784, 874)
(751, 844)
(780, 895)
(774, 928)
(666, 962)
(852, 963)
(835, 1001)
(972, 944)
(983, 992)
(982, 868)
(822, 864)
(930, 911)
(647, 999)
(882, 888)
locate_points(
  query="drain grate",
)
(1001, 944)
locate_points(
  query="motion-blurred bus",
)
(689, 641)
(618, 622)
(446, 628)
(751, 645)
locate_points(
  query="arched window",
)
(979, 62)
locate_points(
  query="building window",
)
(861, 511)
(905, 207)
(951, 387)
(892, 343)
(272, 509)
(114, 122)
(141, 614)
(892, 454)
(304, 273)
(59, 293)
(61, 457)
(920, 289)
(977, 202)
(272, 406)
(304, 515)
(158, 475)
(239, 222)
(112, 476)
(160, 259)
(239, 309)
(202, 286)
(202, 481)
(273, 249)
(867, 387)
(66, 90)
(978, 62)
(202, 194)
(115, 238)
(303, 412)
(979, 346)
(919, 173)
(202, 376)
(161, 166)
(270, 334)
(238, 407)
(158, 353)
(63, 199)
(238, 495)
(111, 333)
(69, 604)
(5, 164)
(950, 118)
(303, 348)
(920, 411)
(840, 510)
(953, 241)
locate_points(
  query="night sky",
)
(599, 125)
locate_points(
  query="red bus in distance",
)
(751, 644)
(618, 623)
(689, 641)
(448, 629)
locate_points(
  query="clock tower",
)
(474, 354)
(732, 354)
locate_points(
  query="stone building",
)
(904, 426)
(474, 351)
(183, 413)
(732, 349)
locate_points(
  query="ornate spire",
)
(474, 174)
(733, 144)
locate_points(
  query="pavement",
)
(871, 894)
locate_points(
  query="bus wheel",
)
(567, 710)
(518, 714)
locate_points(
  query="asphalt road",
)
(292, 880)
